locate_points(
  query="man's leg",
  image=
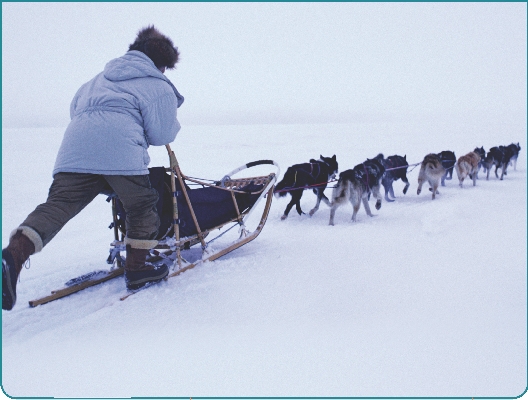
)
(68, 195)
(142, 223)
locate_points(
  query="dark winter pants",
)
(71, 192)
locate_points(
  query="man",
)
(115, 117)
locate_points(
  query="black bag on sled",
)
(212, 206)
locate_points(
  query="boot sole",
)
(137, 284)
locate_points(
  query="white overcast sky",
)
(276, 62)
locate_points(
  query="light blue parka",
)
(116, 116)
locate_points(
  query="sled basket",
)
(188, 217)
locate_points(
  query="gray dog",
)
(356, 185)
(431, 171)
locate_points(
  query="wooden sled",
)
(191, 228)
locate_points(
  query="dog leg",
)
(387, 196)
(355, 208)
(287, 210)
(367, 207)
(407, 184)
(332, 213)
(324, 198)
(387, 185)
(461, 177)
(420, 183)
(459, 174)
(474, 177)
(377, 195)
(296, 199)
(391, 191)
(435, 190)
(320, 196)
(313, 210)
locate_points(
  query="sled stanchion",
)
(175, 213)
(118, 260)
(185, 194)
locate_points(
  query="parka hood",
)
(134, 64)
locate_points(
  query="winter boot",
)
(13, 258)
(138, 273)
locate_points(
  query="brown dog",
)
(431, 171)
(468, 166)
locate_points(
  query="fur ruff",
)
(158, 47)
(32, 235)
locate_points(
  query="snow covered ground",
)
(427, 298)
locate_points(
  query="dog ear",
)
(334, 156)
(405, 157)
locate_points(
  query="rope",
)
(289, 189)
(405, 166)
(223, 233)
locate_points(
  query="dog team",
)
(357, 184)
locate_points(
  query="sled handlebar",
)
(261, 162)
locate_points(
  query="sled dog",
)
(355, 185)
(431, 171)
(468, 165)
(500, 158)
(395, 168)
(448, 160)
(493, 158)
(300, 176)
(482, 154)
(515, 149)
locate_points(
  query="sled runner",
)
(188, 217)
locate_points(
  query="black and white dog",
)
(500, 158)
(356, 185)
(448, 160)
(395, 168)
(482, 154)
(301, 176)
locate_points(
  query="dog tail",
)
(279, 189)
(285, 184)
(341, 191)
(435, 167)
(463, 168)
